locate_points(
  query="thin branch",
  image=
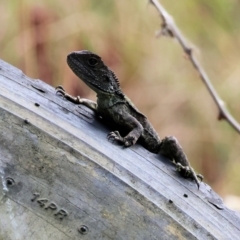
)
(169, 28)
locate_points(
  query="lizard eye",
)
(92, 61)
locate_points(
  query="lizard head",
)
(92, 70)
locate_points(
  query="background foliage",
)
(36, 36)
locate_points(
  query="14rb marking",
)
(46, 204)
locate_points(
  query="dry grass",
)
(154, 73)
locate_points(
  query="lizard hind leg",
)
(171, 148)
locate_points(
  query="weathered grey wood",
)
(60, 151)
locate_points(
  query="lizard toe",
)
(129, 141)
(60, 92)
(127, 144)
(110, 135)
(60, 87)
(200, 177)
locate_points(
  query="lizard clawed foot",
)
(188, 172)
(61, 90)
(115, 136)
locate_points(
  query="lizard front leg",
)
(171, 148)
(127, 121)
(77, 100)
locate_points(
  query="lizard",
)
(114, 105)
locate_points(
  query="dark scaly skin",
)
(114, 105)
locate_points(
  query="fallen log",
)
(62, 179)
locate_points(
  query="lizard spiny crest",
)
(118, 91)
(115, 77)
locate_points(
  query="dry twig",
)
(169, 28)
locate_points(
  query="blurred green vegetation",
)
(36, 36)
